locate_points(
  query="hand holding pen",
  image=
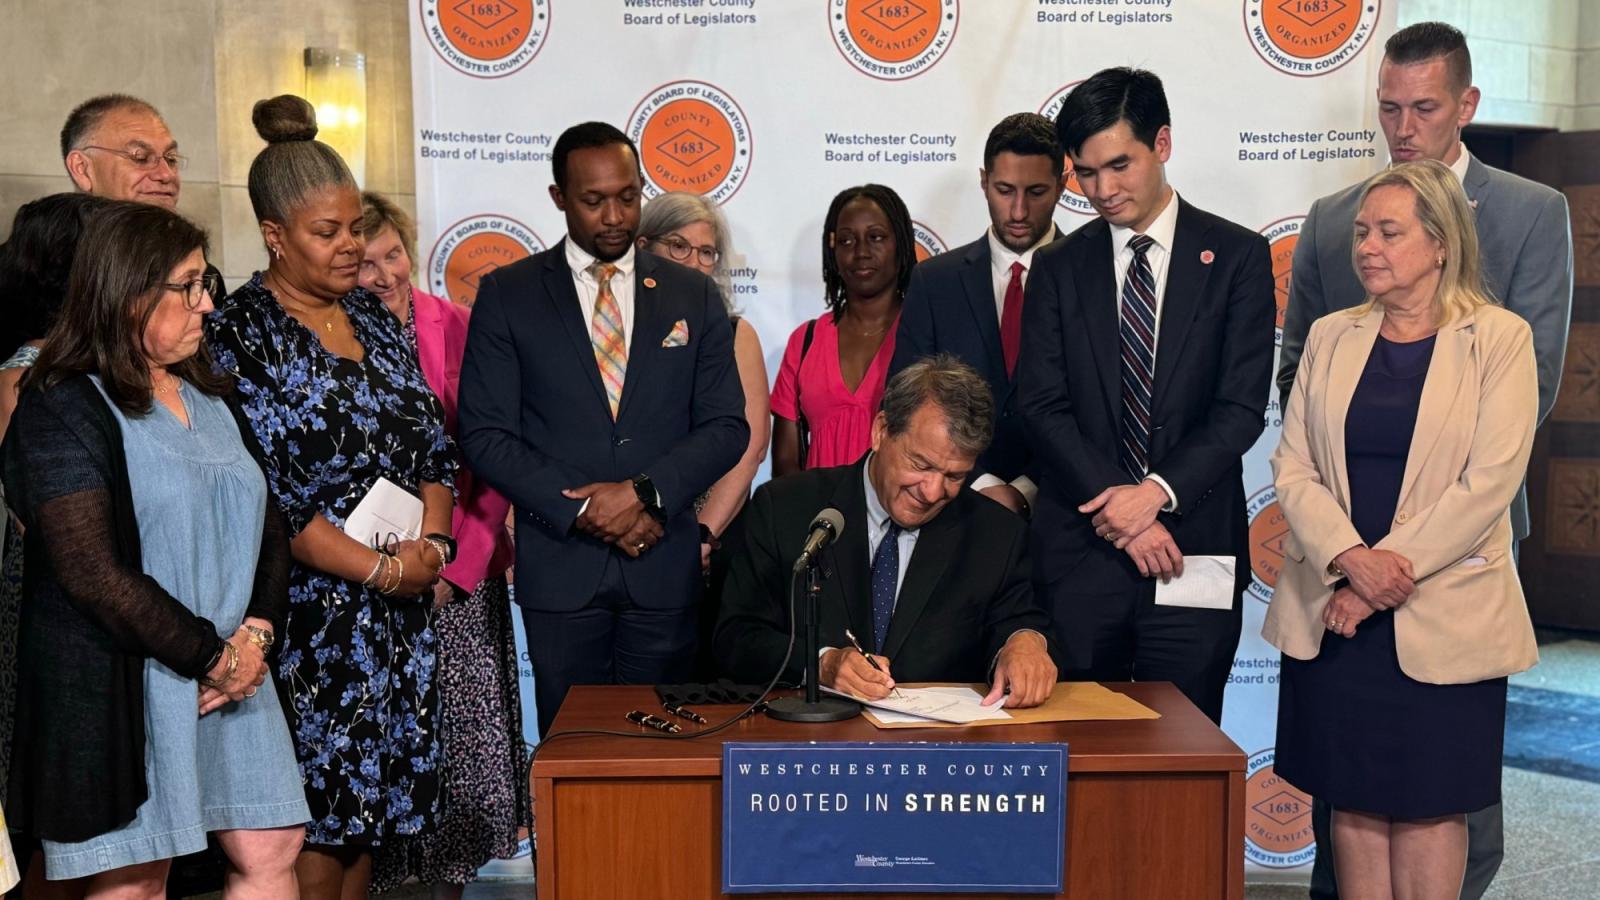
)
(868, 657)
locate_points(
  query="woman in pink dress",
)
(835, 366)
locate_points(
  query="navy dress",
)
(1353, 729)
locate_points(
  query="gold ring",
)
(250, 693)
(641, 545)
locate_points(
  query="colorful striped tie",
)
(1138, 358)
(610, 346)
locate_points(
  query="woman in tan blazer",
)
(1399, 611)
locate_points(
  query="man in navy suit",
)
(599, 393)
(1146, 363)
(968, 302)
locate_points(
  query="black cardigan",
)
(90, 616)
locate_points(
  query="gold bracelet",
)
(383, 584)
(372, 577)
(262, 638)
(399, 570)
(438, 548)
(232, 653)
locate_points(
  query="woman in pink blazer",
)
(485, 758)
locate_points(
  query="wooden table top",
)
(1182, 740)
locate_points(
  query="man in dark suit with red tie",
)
(1146, 363)
(968, 302)
(599, 393)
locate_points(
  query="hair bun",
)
(285, 118)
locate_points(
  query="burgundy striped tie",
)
(1138, 358)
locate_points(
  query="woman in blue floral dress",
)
(337, 401)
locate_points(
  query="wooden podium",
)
(1155, 807)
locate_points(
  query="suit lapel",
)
(649, 316)
(1446, 369)
(851, 572)
(1476, 183)
(563, 296)
(978, 284)
(1187, 277)
(936, 544)
(1099, 302)
(1344, 373)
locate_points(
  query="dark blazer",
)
(966, 588)
(534, 420)
(1213, 374)
(1524, 239)
(950, 308)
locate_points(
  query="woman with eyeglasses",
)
(157, 567)
(339, 404)
(689, 229)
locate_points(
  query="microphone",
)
(825, 529)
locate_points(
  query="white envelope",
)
(1206, 583)
(387, 509)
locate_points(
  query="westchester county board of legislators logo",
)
(1268, 529)
(474, 247)
(691, 137)
(928, 243)
(1277, 817)
(893, 39)
(1072, 199)
(485, 38)
(1307, 38)
(1282, 236)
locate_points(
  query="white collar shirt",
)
(589, 287)
(1001, 259)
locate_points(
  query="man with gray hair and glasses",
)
(931, 579)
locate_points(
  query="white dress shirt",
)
(1001, 258)
(589, 287)
(878, 526)
(1162, 231)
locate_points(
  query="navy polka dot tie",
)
(885, 574)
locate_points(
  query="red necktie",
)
(1011, 319)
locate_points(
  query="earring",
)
(276, 253)
(1441, 262)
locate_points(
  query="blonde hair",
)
(1442, 209)
(379, 212)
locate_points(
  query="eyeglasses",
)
(143, 158)
(680, 250)
(210, 283)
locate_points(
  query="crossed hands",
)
(616, 516)
(1379, 580)
(1125, 515)
(247, 676)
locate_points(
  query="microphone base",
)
(824, 709)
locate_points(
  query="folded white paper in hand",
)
(387, 509)
(1206, 583)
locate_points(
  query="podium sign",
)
(858, 817)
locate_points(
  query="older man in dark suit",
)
(599, 393)
(1146, 363)
(931, 578)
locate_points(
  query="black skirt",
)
(1356, 731)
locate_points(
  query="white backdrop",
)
(772, 106)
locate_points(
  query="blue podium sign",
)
(934, 818)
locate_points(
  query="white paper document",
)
(387, 509)
(1206, 583)
(942, 704)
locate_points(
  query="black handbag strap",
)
(799, 414)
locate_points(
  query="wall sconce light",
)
(336, 84)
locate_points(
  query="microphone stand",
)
(813, 707)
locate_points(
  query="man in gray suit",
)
(1425, 98)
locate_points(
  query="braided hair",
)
(905, 242)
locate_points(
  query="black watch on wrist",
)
(449, 545)
(645, 490)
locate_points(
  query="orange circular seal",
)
(893, 39)
(485, 38)
(928, 243)
(1306, 38)
(1277, 817)
(474, 247)
(1268, 528)
(1072, 199)
(1282, 236)
(691, 137)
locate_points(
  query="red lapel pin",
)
(649, 282)
(1207, 257)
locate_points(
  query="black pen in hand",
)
(870, 661)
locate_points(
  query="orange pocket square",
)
(679, 336)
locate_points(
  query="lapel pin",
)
(1207, 257)
(649, 282)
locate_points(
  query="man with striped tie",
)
(1144, 374)
(599, 393)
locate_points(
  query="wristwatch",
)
(645, 490)
(446, 545)
(259, 636)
